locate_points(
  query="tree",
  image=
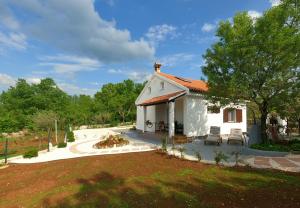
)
(256, 59)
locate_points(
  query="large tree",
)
(256, 59)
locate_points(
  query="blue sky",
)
(83, 44)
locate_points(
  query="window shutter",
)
(225, 115)
(239, 115)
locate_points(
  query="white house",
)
(169, 100)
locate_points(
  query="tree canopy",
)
(38, 105)
(256, 59)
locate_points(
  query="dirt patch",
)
(148, 179)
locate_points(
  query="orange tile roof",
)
(161, 99)
(194, 85)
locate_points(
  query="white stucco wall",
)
(216, 119)
(139, 117)
(197, 121)
(156, 90)
(194, 116)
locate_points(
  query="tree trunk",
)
(299, 126)
(49, 133)
(264, 114)
(6, 150)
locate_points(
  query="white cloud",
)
(12, 41)
(207, 27)
(75, 27)
(254, 14)
(159, 33)
(274, 2)
(6, 80)
(69, 65)
(109, 2)
(76, 90)
(33, 80)
(136, 76)
(176, 59)
(6, 17)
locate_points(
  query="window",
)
(162, 85)
(149, 90)
(232, 115)
(213, 109)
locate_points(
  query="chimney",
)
(157, 67)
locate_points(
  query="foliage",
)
(256, 59)
(70, 136)
(198, 155)
(35, 106)
(181, 149)
(61, 145)
(237, 155)
(220, 156)
(295, 147)
(271, 147)
(44, 119)
(31, 153)
(164, 144)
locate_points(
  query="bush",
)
(164, 144)
(198, 155)
(70, 136)
(181, 149)
(31, 153)
(295, 147)
(219, 156)
(270, 147)
(62, 145)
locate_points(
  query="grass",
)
(144, 179)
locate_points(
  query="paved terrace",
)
(138, 142)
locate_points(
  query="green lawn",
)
(144, 180)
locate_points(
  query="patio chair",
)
(214, 135)
(236, 135)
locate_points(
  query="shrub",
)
(31, 153)
(270, 147)
(220, 156)
(70, 136)
(198, 155)
(295, 147)
(236, 155)
(62, 145)
(164, 144)
(181, 149)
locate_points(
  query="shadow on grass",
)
(212, 187)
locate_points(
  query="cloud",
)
(274, 2)
(12, 40)
(109, 2)
(207, 27)
(176, 59)
(136, 76)
(74, 26)
(6, 80)
(6, 18)
(254, 14)
(159, 33)
(69, 64)
(33, 80)
(72, 89)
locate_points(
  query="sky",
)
(84, 44)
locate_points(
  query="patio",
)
(254, 158)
